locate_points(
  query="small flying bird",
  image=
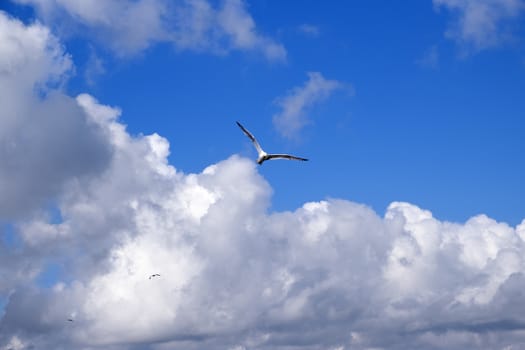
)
(70, 319)
(263, 156)
(154, 275)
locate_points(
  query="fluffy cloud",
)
(115, 21)
(481, 24)
(295, 105)
(47, 142)
(189, 24)
(331, 274)
(46, 139)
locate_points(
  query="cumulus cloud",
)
(481, 24)
(45, 137)
(298, 101)
(188, 25)
(332, 274)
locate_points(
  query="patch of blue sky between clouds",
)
(10, 239)
(3, 303)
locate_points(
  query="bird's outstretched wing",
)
(285, 156)
(251, 137)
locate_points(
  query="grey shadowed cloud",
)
(46, 139)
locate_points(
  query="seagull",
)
(154, 275)
(263, 156)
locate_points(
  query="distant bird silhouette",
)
(70, 320)
(263, 156)
(154, 275)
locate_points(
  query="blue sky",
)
(444, 135)
(409, 111)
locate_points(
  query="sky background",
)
(121, 158)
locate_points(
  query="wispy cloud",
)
(239, 27)
(481, 24)
(430, 58)
(188, 24)
(94, 67)
(296, 104)
(310, 30)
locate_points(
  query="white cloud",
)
(310, 30)
(239, 27)
(298, 101)
(481, 24)
(112, 22)
(30, 55)
(189, 24)
(201, 27)
(45, 138)
(332, 274)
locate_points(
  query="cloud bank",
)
(197, 25)
(332, 274)
(482, 24)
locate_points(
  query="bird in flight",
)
(70, 319)
(154, 275)
(263, 156)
